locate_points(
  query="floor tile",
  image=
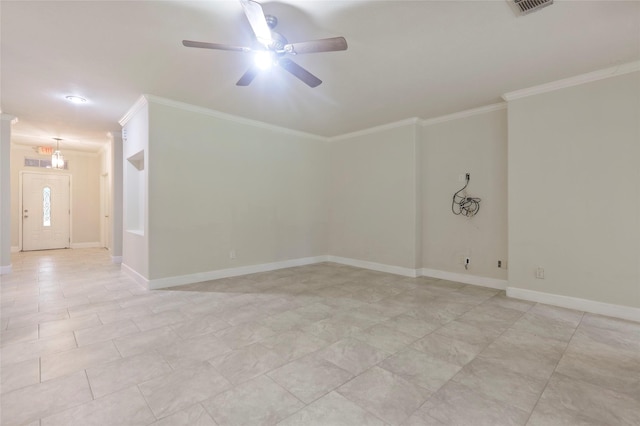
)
(310, 377)
(602, 405)
(52, 328)
(117, 315)
(570, 316)
(145, 341)
(544, 327)
(192, 351)
(420, 369)
(19, 321)
(148, 322)
(182, 388)
(615, 338)
(332, 409)
(293, 344)
(353, 355)
(525, 353)
(105, 332)
(331, 329)
(478, 336)
(40, 400)
(410, 325)
(63, 363)
(126, 407)
(385, 338)
(200, 326)
(247, 362)
(609, 323)
(602, 365)
(357, 346)
(496, 382)
(447, 349)
(123, 373)
(195, 415)
(257, 402)
(456, 404)
(384, 394)
(24, 350)
(244, 334)
(19, 375)
(22, 334)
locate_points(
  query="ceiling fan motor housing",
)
(277, 41)
(272, 21)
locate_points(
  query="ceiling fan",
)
(273, 47)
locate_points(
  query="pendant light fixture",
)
(57, 160)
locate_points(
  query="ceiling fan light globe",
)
(264, 60)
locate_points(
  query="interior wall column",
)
(116, 193)
(5, 192)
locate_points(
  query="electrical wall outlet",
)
(232, 254)
(540, 273)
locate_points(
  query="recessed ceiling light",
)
(75, 99)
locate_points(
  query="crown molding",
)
(375, 129)
(229, 117)
(137, 106)
(574, 81)
(463, 114)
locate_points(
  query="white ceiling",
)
(405, 59)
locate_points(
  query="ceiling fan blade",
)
(258, 22)
(248, 76)
(217, 46)
(304, 75)
(324, 45)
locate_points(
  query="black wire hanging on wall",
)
(463, 204)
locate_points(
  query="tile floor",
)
(323, 345)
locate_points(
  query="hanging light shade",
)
(57, 160)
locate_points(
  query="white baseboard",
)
(6, 269)
(15, 249)
(466, 279)
(95, 244)
(381, 267)
(134, 275)
(116, 259)
(601, 308)
(230, 272)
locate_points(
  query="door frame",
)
(105, 211)
(21, 189)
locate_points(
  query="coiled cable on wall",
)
(464, 205)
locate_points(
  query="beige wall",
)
(5, 193)
(84, 169)
(574, 191)
(373, 205)
(476, 144)
(217, 185)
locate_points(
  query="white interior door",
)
(46, 211)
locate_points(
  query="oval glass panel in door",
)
(46, 206)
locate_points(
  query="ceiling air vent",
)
(528, 6)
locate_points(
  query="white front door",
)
(45, 211)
